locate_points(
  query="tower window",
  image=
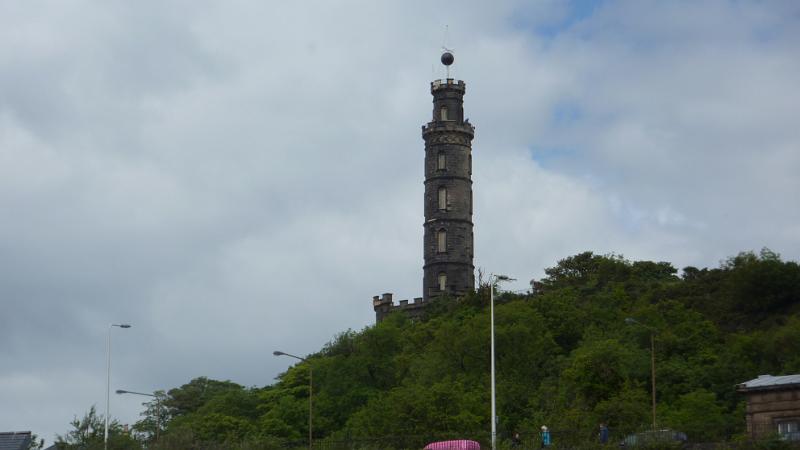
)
(442, 281)
(471, 244)
(470, 201)
(441, 162)
(443, 113)
(441, 241)
(442, 198)
(788, 428)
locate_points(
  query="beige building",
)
(773, 405)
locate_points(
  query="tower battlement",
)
(384, 305)
(435, 127)
(448, 83)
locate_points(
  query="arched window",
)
(442, 198)
(441, 241)
(443, 113)
(442, 281)
(441, 164)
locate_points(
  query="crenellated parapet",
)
(449, 84)
(384, 305)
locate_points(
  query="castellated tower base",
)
(448, 228)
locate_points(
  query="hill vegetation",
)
(566, 357)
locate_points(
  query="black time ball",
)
(447, 58)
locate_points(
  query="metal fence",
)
(559, 439)
(782, 429)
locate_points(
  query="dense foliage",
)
(88, 433)
(566, 357)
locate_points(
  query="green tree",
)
(700, 416)
(36, 442)
(599, 369)
(564, 355)
(626, 411)
(155, 418)
(191, 396)
(88, 433)
(216, 427)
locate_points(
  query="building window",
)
(442, 198)
(443, 113)
(442, 281)
(789, 429)
(441, 241)
(442, 161)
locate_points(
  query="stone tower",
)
(448, 239)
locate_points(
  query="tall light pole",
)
(492, 280)
(158, 406)
(108, 380)
(310, 392)
(632, 321)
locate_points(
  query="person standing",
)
(603, 433)
(545, 435)
(516, 442)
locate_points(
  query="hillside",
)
(566, 357)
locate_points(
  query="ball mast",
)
(447, 53)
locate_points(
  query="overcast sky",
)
(237, 177)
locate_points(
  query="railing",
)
(559, 439)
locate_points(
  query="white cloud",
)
(238, 178)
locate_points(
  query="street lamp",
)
(158, 406)
(494, 279)
(108, 380)
(632, 321)
(310, 391)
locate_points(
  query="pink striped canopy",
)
(454, 445)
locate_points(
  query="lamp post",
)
(158, 406)
(632, 321)
(108, 380)
(310, 392)
(492, 280)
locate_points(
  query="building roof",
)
(15, 440)
(770, 382)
